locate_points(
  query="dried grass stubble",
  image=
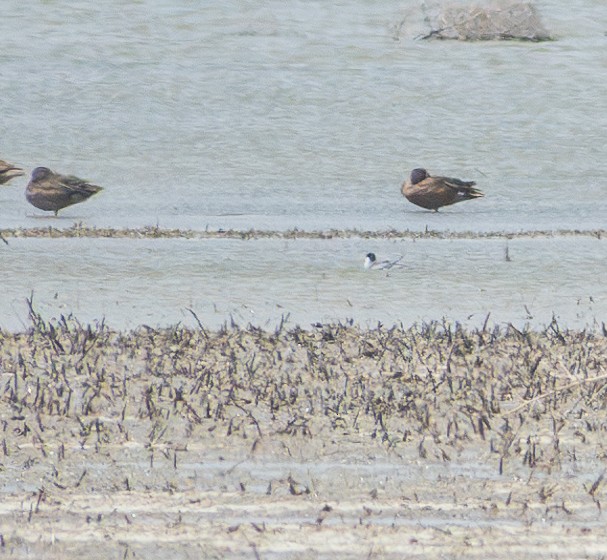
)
(519, 399)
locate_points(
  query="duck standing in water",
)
(52, 191)
(9, 171)
(434, 192)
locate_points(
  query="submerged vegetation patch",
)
(495, 21)
(527, 398)
(242, 437)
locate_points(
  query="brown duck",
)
(434, 192)
(52, 191)
(9, 171)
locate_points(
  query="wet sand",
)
(434, 441)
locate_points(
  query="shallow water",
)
(307, 115)
(157, 281)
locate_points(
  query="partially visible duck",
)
(371, 263)
(51, 191)
(8, 172)
(434, 192)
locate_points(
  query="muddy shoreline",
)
(336, 441)
(154, 232)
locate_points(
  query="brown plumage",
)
(8, 172)
(434, 192)
(52, 191)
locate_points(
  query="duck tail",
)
(474, 193)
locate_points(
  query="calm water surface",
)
(308, 115)
(261, 281)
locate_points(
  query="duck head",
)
(370, 259)
(418, 175)
(41, 173)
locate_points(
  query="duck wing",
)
(463, 188)
(77, 186)
(456, 183)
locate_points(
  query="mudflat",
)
(431, 441)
